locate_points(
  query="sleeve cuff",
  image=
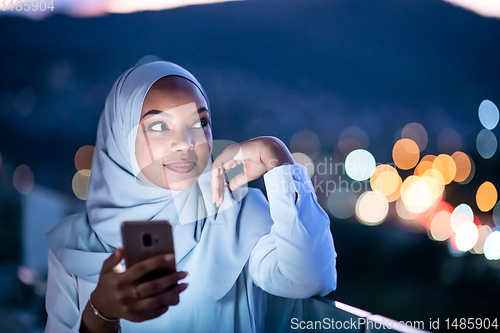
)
(288, 178)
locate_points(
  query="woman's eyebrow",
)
(167, 114)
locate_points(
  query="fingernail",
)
(183, 274)
(183, 286)
(169, 257)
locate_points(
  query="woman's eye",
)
(158, 126)
(202, 123)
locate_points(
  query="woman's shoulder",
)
(72, 232)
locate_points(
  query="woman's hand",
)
(258, 155)
(120, 295)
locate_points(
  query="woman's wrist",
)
(93, 322)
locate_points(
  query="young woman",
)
(152, 161)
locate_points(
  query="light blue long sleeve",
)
(297, 259)
(63, 313)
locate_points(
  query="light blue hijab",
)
(119, 192)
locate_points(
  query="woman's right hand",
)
(115, 297)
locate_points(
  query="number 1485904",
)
(26, 5)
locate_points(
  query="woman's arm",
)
(297, 259)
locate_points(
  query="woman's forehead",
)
(171, 92)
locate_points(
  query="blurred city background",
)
(391, 105)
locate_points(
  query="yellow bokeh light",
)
(403, 212)
(422, 167)
(371, 208)
(446, 166)
(463, 166)
(405, 154)
(80, 183)
(440, 227)
(486, 196)
(420, 193)
(386, 181)
(435, 185)
(303, 159)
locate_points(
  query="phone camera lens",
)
(146, 239)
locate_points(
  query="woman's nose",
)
(183, 140)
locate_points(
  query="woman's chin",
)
(182, 185)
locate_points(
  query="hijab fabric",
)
(119, 192)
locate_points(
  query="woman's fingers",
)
(160, 262)
(167, 298)
(157, 286)
(228, 159)
(114, 259)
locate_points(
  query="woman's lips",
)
(181, 167)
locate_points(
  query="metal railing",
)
(320, 314)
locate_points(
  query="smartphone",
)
(144, 239)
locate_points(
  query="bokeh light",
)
(403, 212)
(80, 184)
(488, 114)
(472, 172)
(352, 138)
(483, 232)
(26, 275)
(359, 164)
(424, 165)
(452, 247)
(486, 144)
(496, 214)
(371, 208)
(486, 196)
(342, 202)
(23, 179)
(417, 133)
(463, 166)
(83, 158)
(449, 141)
(306, 142)
(405, 154)
(440, 226)
(492, 246)
(467, 236)
(446, 166)
(420, 193)
(303, 159)
(461, 214)
(386, 181)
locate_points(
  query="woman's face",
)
(174, 138)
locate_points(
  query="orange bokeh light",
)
(462, 162)
(446, 166)
(486, 196)
(405, 154)
(386, 181)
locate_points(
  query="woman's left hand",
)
(258, 155)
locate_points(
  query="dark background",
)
(274, 68)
